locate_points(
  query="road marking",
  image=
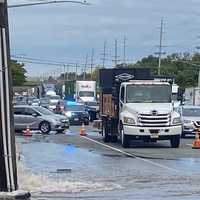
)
(131, 155)
(189, 145)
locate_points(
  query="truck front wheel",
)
(106, 137)
(125, 140)
(175, 141)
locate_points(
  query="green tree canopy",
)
(18, 73)
(183, 67)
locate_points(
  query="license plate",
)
(76, 119)
(154, 135)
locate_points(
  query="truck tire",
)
(106, 137)
(125, 140)
(175, 141)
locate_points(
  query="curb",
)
(16, 195)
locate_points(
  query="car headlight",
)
(128, 120)
(54, 121)
(64, 120)
(68, 114)
(177, 120)
(186, 121)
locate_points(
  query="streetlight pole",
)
(46, 2)
(8, 169)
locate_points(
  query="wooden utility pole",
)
(8, 169)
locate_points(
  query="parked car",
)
(39, 118)
(44, 102)
(77, 114)
(93, 109)
(35, 102)
(190, 118)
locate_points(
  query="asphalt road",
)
(68, 166)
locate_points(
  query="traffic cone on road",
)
(27, 132)
(196, 143)
(83, 131)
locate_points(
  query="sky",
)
(66, 33)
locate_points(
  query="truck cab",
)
(146, 112)
(134, 106)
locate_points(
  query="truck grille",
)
(149, 120)
(197, 124)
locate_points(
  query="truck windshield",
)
(148, 94)
(86, 94)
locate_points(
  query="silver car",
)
(38, 118)
(190, 119)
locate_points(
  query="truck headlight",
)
(177, 120)
(186, 121)
(128, 120)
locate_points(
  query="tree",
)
(18, 73)
(183, 67)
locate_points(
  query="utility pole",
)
(8, 169)
(67, 72)
(160, 53)
(64, 67)
(124, 59)
(116, 57)
(76, 71)
(85, 67)
(92, 63)
(104, 54)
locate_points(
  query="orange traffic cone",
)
(27, 132)
(196, 143)
(83, 131)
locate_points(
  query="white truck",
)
(134, 106)
(85, 91)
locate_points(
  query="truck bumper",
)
(152, 132)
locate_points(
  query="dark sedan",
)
(76, 114)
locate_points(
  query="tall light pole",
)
(8, 170)
(46, 2)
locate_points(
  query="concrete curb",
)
(16, 195)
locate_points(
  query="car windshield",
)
(44, 101)
(86, 94)
(75, 108)
(191, 112)
(55, 98)
(36, 101)
(148, 94)
(43, 111)
(91, 103)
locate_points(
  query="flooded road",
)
(72, 167)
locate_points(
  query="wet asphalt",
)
(68, 166)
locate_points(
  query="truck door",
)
(121, 98)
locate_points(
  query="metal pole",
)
(199, 80)
(76, 71)
(92, 62)
(86, 61)
(8, 169)
(160, 46)
(124, 51)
